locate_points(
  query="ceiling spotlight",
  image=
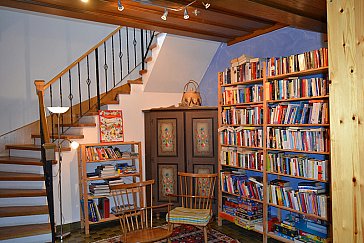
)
(185, 15)
(207, 5)
(164, 16)
(85, 1)
(196, 12)
(120, 6)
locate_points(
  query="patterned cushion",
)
(181, 215)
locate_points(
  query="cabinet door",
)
(166, 152)
(201, 141)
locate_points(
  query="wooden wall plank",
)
(346, 61)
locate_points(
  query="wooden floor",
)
(107, 230)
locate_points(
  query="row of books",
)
(110, 170)
(242, 94)
(294, 165)
(292, 88)
(241, 158)
(245, 68)
(298, 62)
(107, 152)
(305, 112)
(241, 136)
(97, 211)
(242, 116)
(294, 138)
(234, 183)
(309, 198)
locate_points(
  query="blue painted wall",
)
(283, 42)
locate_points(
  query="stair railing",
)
(83, 85)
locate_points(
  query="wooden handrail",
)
(80, 59)
(39, 84)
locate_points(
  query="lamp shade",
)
(57, 109)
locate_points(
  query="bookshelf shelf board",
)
(253, 81)
(112, 177)
(297, 151)
(298, 177)
(111, 218)
(243, 104)
(298, 125)
(110, 160)
(243, 125)
(222, 214)
(90, 196)
(238, 195)
(239, 167)
(300, 73)
(274, 236)
(246, 147)
(299, 212)
(300, 99)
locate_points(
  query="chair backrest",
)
(130, 204)
(197, 190)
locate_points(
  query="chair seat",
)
(180, 215)
(148, 235)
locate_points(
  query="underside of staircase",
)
(23, 161)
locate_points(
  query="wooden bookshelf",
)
(266, 104)
(84, 162)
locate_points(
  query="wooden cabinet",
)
(178, 139)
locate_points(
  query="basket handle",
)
(194, 83)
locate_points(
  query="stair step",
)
(141, 72)
(63, 136)
(110, 102)
(32, 147)
(23, 211)
(20, 161)
(15, 176)
(6, 193)
(152, 46)
(136, 81)
(148, 59)
(11, 232)
(78, 125)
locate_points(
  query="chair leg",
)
(205, 233)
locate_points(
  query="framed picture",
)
(167, 181)
(203, 145)
(167, 137)
(111, 126)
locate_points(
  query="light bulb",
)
(120, 6)
(74, 145)
(85, 1)
(164, 16)
(185, 15)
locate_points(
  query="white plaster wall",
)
(37, 46)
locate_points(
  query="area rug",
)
(187, 234)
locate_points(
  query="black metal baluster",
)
(127, 48)
(70, 96)
(105, 66)
(135, 53)
(52, 115)
(88, 82)
(97, 78)
(61, 98)
(113, 60)
(142, 46)
(79, 87)
(120, 57)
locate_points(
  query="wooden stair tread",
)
(110, 102)
(15, 211)
(136, 81)
(77, 125)
(20, 161)
(63, 136)
(6, 193)
(11, 232)
(148, 59)
(143, 71)
(15, 176)
(32, 147)
(152, 46)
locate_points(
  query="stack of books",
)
(107, 170)
(99, 189)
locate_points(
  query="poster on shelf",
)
(111, 126)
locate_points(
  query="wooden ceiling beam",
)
(112, 18)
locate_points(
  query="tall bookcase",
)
(99, 165)
(274, 145)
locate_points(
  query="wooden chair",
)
(136, 219)
(196, 195)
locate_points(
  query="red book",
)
(106, 207)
